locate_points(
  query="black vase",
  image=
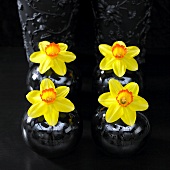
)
(50, 20)
(53, 141)
(71, 79)
(122, 20)
(101, 79)
(118, 139)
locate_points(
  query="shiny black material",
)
(118, 139)
(52, 141)
(71, 79)
(101, 79)
(49, 20)
(126, 20)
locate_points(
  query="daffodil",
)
(53, 56)
(122, 102)
(49, 101)
(118, 57)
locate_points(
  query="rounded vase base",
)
(118, 139)
(52, 141)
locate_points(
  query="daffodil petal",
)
(138, 104)
(120, 43)
(105, 50)
(66, 56)
(63, 105)
(62, 91)
(132, 51)
(106, 99)
(131, 63)
(132, 87)
(129, 116)
(106, 63)
(37, 57)
(46, 84)
(33, 96)
(42, 45)
(114, 112)
(37, 110)
(51, 116)
(44, 65)
(119, 67)
(115, 87)
(59, 67)
(63, 47)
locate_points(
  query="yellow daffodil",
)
(118, 57)
(122, 102)
(53, 56)
(49, 101)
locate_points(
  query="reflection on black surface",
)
(101, 79)
(53, 141)
(14, 153)
(72, 78)
(117, 139)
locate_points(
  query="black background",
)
(14, 154)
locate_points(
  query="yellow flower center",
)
(119, 51)
(124, 98)
(48, 95)
(52, 50)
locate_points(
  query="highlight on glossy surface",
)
(54, 56)
(118, 139)
(49, 101)
(71, 79)
(118, 57)
(52, 141)
(101, 79)
(122, 102)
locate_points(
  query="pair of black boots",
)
(56, 21)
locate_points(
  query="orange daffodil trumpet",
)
(122, 102)
(53, 56)
(118, 57)
(49, 101)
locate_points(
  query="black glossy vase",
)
(71, 79)
(118, 139)
(50, 20)
(52, 141)
(122, 20)
(101, 79)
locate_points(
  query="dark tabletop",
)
(14, 153)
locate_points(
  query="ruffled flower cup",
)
(122, 102)
(119, 128)
(118, 57)
(53, 61)
(52, 126)
(119, 63)
(49, 101)
(52, 55)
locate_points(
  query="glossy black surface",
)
(51, 20)
(118, 139)
(127, 20)
(14, 153)
(53, 141)
(101, 79)
(71, 79)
